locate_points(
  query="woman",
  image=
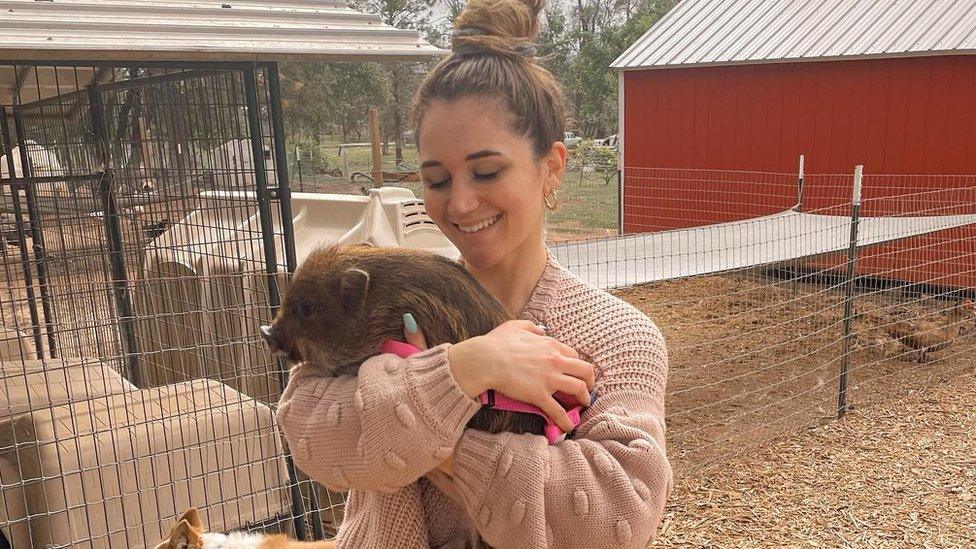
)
(489, 124)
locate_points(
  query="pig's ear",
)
(353, 284)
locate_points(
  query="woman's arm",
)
(605, 488)
(382, 430)
(400, 418)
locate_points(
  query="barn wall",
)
(913, 115)
(895, 116)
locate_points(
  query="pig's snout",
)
(267, 333)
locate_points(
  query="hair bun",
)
(505, 27)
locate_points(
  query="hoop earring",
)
(555, 200)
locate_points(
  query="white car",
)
(608, 141)
(571, 140)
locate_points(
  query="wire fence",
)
(148, 228)
(140, 251)
(774, 320)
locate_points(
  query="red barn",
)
(721, 97)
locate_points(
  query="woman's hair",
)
(494, 57)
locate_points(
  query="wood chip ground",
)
(902, 474)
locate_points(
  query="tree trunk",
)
(398, 134)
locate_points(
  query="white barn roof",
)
(199, 30)
(728, 32)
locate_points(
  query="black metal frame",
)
(15, 187)
(110, 207)
(264, 196)
(848, 311)
(37, 237)
(283, 195)
(113, 235)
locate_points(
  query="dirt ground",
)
(77, 274)
(750, 360)
(900, 473)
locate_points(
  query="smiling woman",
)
(478, 176)
(489, 131)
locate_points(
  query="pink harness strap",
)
(499, 401)
(399, 348)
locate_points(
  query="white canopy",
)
(86, 31)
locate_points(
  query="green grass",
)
(585, 209)
(361, 159)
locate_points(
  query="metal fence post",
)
(298, 162)
(849, 290)
(798, 208)
(582, 164)
(620, 202)
(376, 139)
(284, 204)
(799, 187)
(114, 241)
(21, 233)
(270, 258)
(37, 236)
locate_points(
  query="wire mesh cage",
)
(145, 241)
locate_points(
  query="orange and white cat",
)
(189, 534)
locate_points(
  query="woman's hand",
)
(519, 360)
(412, 332)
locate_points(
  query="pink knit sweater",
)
(378, 434)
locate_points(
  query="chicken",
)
(925, 336)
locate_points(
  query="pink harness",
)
(498, 401)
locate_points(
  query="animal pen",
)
(792, 288)
(790, 316)
(147, 229)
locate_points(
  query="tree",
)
(603, 35)
(579, 40)
(600, 159)
(556, 47)
(438, 30)
(403, 78)
(402, 14)
(320, 98)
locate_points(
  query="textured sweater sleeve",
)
(607, 487)
(381, 430)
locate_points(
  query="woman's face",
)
(483, 185)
